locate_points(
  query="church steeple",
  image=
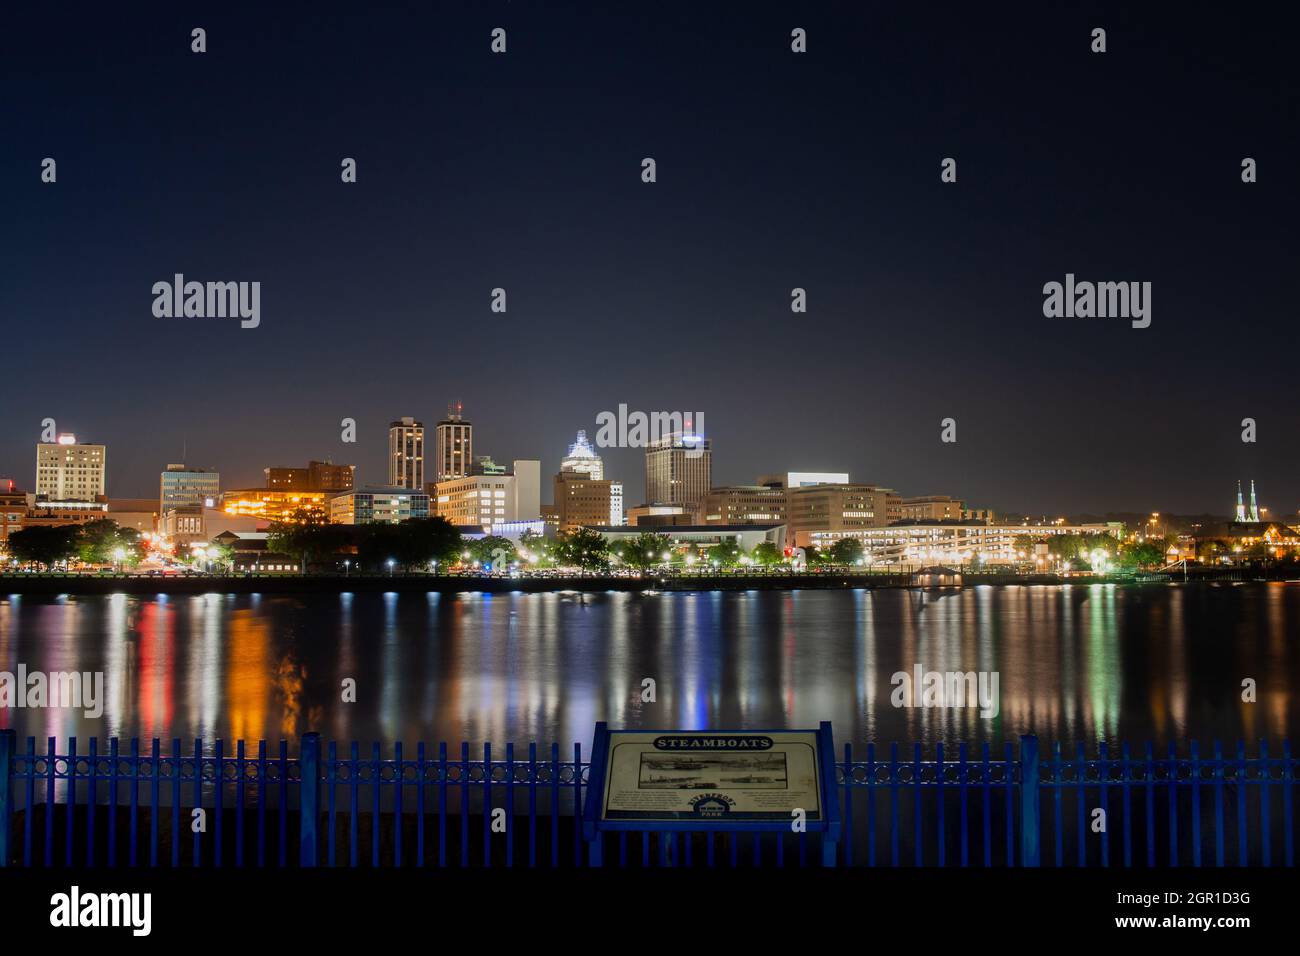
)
(1241, 508)
(1254, 508)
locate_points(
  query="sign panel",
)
(690, 775)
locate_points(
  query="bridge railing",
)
(128, 804)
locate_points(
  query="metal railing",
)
(125, 805)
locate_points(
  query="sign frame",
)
(594, 824)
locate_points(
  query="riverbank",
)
(58, 584)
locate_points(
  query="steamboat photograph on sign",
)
(743, 776)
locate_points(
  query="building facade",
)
(932, 508)
(317, 476)
(182, 487)
(377, 505)
(581, 500)
(583, 459)
(745, 504)
(487, 500)
(406, 454)
(822, 508)
(678, 470)
(68, 471)
(453, 446)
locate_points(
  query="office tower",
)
(67, 471)
(582, 458)
(182, 487)
(406, 454)
(454, 446)
(678, 470)
(583, 501)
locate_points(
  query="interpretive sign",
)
(671, 780)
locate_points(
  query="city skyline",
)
(776, 172)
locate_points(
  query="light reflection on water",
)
(1075, 663)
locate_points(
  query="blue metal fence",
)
(125, 805)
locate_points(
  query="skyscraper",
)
(582, 458)
(406, 454)
(453, 446)
(67, 471)
(678, 470)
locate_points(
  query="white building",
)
(67, 471)
(487, 500)
(582, 458)
(953, 542)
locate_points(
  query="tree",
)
(305, 536)
(44, 545)
(412, 543)
(766, 553)
(846, 551)
(538, 550)
(645, 550)
(582, 548)
(493, 551)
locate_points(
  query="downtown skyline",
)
(775, 172)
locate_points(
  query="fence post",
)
(309, 799)
(1030, 829)
(8, 747)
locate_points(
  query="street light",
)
(347, 566)
(390, 567)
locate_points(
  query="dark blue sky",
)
(775, 170)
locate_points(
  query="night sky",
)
(775, 170)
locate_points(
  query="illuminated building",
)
(68, 471)
(745, 504)
(952, 542)
(679, 470)
(406, 454)
(487, 500)
(582, 458)
(181, 487)
(378, 505)
(932, 508)
(13, 509)
(801, 479)
(317, 476)
(273, 505)
(582, 500)
(453, 446)
(837, 509)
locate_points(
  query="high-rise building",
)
(582, 458)
(453, 446)
(406, 454)
(583, 501)
(68, 471)
(183, 487)
(678, 470)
